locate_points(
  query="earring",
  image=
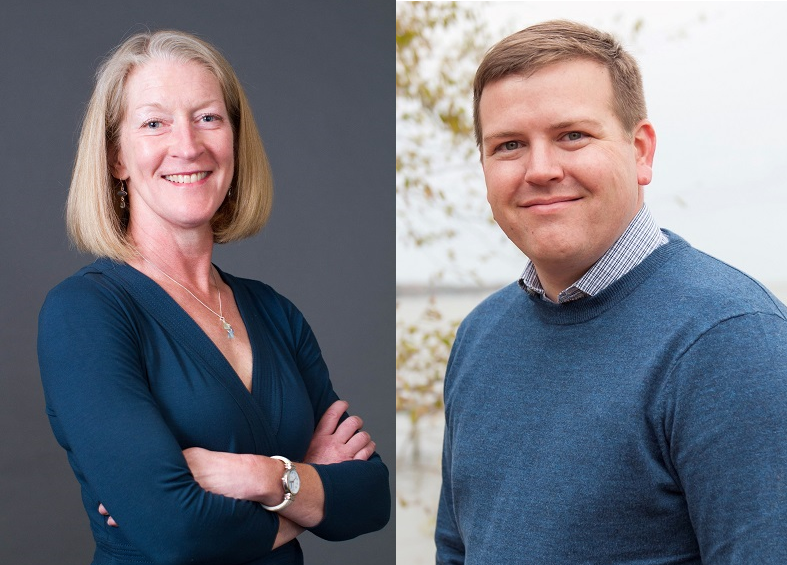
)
(122, 193)
(229, 192)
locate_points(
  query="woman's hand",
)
(334, 443)
(288, 530)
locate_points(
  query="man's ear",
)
(645, 148)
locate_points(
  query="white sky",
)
(715, 85)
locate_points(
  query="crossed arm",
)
(166, 505)
(258, 478)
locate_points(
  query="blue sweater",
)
(131, 380)
(646, 425)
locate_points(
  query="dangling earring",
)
(229, 192)
(122, 193)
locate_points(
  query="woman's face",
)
(176, 146)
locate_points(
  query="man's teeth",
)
(184, 179)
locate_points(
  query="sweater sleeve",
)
(726, 428)
(357, 493)
(450, 546)
(104, 415)
(449, 542)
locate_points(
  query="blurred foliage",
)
(438, 45)
(421, 356)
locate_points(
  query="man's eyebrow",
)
(500, 134)
(586, 122)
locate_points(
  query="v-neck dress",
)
(130, 380)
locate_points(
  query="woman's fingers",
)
(361, 446)
(348, 428)
(104, 512)
(358, 442)
(366, 452)
(334, 442)
(330, 419)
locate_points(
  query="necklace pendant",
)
(228, 328)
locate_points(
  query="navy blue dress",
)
(130, 380)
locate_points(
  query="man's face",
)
(563, 177)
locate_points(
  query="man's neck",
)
(556, 277)
(560, 282)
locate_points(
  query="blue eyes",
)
(514, 145)
(158, 124)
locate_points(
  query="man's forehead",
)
(550, 66)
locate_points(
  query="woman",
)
(194, 406)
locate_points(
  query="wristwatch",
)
(291, 483)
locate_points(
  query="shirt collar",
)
(640, 239)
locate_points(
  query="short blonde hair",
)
(95, 221)
(538, 46)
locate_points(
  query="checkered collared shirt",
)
(640, 239)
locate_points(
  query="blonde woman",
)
(195, 406)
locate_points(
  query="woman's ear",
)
(116, 165)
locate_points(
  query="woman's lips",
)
(186, 178)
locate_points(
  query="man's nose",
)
(543, 165)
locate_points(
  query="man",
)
(626, 401)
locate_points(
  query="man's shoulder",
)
(697, 278)
(498, 303)
(500, 309)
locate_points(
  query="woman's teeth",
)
(185, 179)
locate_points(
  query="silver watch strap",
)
(287, 496)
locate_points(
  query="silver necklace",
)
(220, 314)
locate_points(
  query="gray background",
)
(318, 77)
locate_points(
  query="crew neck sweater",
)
(646, 424)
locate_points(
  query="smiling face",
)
(175, 149)
(563, 178)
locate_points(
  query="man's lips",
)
(549, 203)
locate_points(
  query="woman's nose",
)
(186, 142)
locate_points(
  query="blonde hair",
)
(95, 221)
(533, 48)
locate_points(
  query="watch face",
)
(293, 482)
